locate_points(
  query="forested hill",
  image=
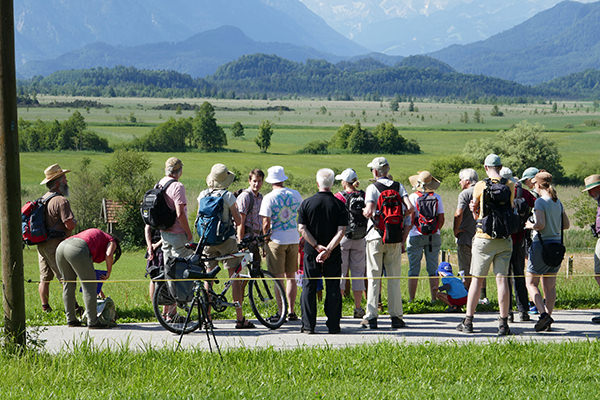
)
(586, 83)
(268, 75)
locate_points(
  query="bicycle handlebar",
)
(199, 275)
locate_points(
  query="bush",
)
(583, 170)
(237, 129)
(315, 147)
(585, 210)
(446, 169)
(523, 146)
(87, 191)
(385, 139)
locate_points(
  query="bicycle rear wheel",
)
(171, 314)
(268, 301)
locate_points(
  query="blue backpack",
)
(209, 223)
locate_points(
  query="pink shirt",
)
(175, 194)
(97, 242)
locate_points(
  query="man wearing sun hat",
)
(424, 242)
(279, 210)
(59, 222)
(592, 187)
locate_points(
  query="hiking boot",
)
(543, 323)
(503, 330)
(74, 324)
(397, 323)
(465, 326)
(308, 331)
(524, 316)
(359, 312)
(99, 325)
(369, 323)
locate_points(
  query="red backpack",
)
(33, 221)
(389, 218)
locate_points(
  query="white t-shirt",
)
(413, 200)
(281, 205)
(371, 196)
(228, 201)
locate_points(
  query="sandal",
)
(244, 324)
(292, 317)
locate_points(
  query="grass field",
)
(380, 371)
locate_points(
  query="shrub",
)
(315, 147)
(87, 191)
(446, 169)
(585, 210)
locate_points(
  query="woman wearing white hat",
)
(353, 245)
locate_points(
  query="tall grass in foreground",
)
(380, 371)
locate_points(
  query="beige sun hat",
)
(424, 182)
(591, 182)
(53, 172)
(220, 177)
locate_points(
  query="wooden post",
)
(10, 185)
(570, 267)
(443, 255)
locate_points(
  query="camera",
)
(594, 231)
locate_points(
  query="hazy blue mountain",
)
(562, 40)
(48, 28)
(420, 26)
(198, 55)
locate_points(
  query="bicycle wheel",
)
(172, 317)
(268, 300)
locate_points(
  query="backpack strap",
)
(166, 185)
(381, 187)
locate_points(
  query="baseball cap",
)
(492, 160)
(347, 175)
(445, 268)
(529, 173)
(378, 162)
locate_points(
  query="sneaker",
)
(524, 317)
(74, 324)
(46, 308)
(465, 327)
(533, 309)
(453, 309)
(359, 312)
(503, 330)
(307, 331)
(543, 323)
(596, 319)
(398, 322)
(369, 323)
(244, 324)
(274, 318)
(98, 325)
(484, 301)
(335, 331)
(175, 319)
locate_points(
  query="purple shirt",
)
(253, 223)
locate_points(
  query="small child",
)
(456, 296)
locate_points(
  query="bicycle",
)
(193, 298)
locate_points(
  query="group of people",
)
(349, 233)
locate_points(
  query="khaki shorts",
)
(227, 247)
(463, 252)
(488, 251)
(282, 258)
(47, 260)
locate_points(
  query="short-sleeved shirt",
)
(553, 212)
(97, 242)
(372, 195)
(413, 199)
(175, 195)
(228, 201)
(253, 222)
(598, 218)
(478, 197)
(58, 211)
(281, 205)
(467, 224)
(457, 288)
(322, 214)
(530, 200)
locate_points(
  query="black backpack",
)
(426, 217)
(521, 207)
(154, 208)
(357, 223)
(499, 219)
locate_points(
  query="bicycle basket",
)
(182, 291)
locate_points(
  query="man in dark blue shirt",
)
(322, 221)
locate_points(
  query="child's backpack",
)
(209, 222)
(499, 219)
(389, 217)
(426, 218)
(107, 312)
(154, 208)
(33, 221)
(357, 223)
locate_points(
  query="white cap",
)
(348, 175)
(276, 174)
(506, 173)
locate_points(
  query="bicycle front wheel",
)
(268, 301)
(171, 314)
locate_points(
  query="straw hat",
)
(424, 182)
(220, 177)
(53, 172)
(591, 182)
